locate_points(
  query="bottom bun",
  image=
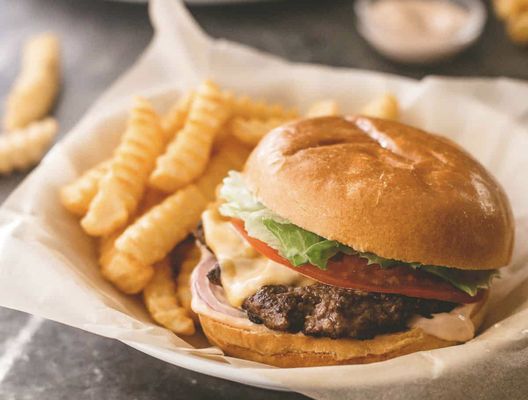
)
(297, 350)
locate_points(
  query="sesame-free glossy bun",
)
(384, 187)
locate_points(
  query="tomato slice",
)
(350, 271)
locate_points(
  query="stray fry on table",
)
(25, 147)
(517, 28)
(37, 84)
(506, 9)
(515, 14)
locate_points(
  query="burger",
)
(349, 240)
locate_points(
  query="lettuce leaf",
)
(240, 203)
(300, 246)
(375, 259)
(467, 281)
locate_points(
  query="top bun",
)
(384, 187)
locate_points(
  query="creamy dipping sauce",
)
(414, 30)
(419, 20)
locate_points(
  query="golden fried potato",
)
(385, 107)
(77, 195)
(245, 107)
(251, 131)
(323, 108)
(175, 118)
(506, 9)
(151, 198)
(230, 154)
(25, 147)
(162, 302)
(37, 85)
(152, 236)
(190, 260)
(125, 272)
(122, 187)
(517, 28)
(187, 155)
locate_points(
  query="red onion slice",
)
(212, 295)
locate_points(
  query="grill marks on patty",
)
(327, 311)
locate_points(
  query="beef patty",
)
(329, 311)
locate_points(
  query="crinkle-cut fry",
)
(222, 135)
(151, 198)
(517, 28)
(506, 9)
(152, 236)
(323, 108)
(187, 155)
(37, 84)
(126, 273)
(122, 187)
(106, 247)
(190, 260)
(230, 155)
(251, 130)
(175, 118)
(26, 147)
(246, 107)
(161, 299)
(385, 107)
(77, 195)
(122, 270)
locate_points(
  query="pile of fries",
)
(515, 14)
(143, 203)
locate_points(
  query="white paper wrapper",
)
(48, 266)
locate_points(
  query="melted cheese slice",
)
(244, 270)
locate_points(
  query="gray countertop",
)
(45, 360)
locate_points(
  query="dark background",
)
(102, 39)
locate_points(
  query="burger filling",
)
(323, 310)
(293, 280)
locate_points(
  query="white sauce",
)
(414, 30)
(455, 325)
